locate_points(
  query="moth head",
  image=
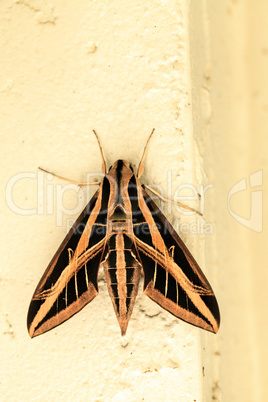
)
(121, 166)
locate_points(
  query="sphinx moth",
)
(123, 229)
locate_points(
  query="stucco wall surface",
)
(121, 68)
(196, 71)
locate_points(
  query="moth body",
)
(121, 268)
(123, 229)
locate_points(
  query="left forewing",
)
(70, 281)
(172, 278)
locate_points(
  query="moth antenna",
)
(102, 156)
(141, 166)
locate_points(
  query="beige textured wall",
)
(67, 68)
(197, 72)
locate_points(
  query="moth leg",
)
(70, 180)
(173, 202)
(141, 167)
(102, 157)
(76, 182)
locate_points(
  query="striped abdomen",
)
(122, 272)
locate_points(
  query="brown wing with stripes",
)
(172, 278)
(70, 280)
